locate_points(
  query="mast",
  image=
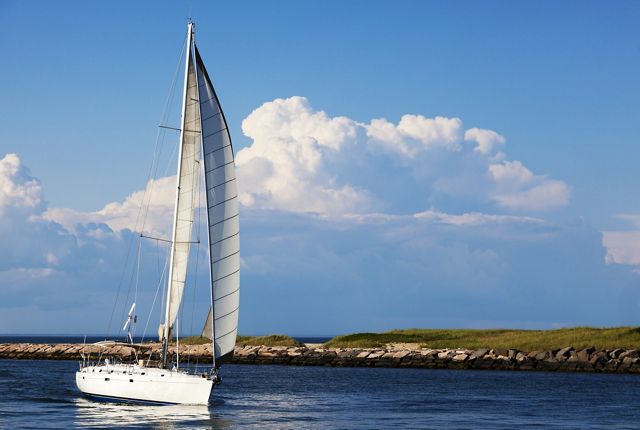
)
(167, 323)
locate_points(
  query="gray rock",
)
(564, 352)
(500, 352)
(478, 353)
(616, 353)
(584, 354)
(633, 353)
(459, 358)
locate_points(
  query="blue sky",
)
(349, 222)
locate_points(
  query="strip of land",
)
(523, 340)
(612, 350)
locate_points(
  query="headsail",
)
(224, 226)
(188, 171)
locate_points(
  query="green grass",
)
(524, 340)
(193, 340)
(271, 340)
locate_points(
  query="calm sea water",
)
(42, 394)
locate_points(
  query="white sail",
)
(224, 227)
(188, 171)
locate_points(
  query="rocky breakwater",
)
(566, 359)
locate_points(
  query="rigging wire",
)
(152, 172)
(135, 295)
(155, 297)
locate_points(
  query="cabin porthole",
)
(130, 380)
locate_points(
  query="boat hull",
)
(144, 385)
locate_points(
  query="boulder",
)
(401, 354)
(500, 352)
(478, 353)
(633, 353)
(564, 353)
(459, 358)
(584, 354)
(376, 354)
(616, 353)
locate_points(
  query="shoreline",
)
(563, 360)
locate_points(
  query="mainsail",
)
(224, 226)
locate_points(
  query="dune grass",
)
(193, 340)
(524, 340)
(271, 340)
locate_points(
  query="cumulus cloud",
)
(303, 160)
(61, 262)
(157, 199)
(415, 134)
(19, 191)
(486, 140)
(470, 268)
(286, 166)
(623, 246)
(393, 217)
(519, 189)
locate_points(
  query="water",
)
(42, 394)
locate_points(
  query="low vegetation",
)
(194, 340)
(524, 340)
(271, 340)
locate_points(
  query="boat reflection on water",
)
(96, 414)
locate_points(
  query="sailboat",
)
(204, 138)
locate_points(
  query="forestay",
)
(224, 232)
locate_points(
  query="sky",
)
(400, 164)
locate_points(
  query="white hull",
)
(142, 384)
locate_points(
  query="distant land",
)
(416, 338)
(578, 349)
(523, 340)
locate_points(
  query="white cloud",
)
(518, 188)
(302, 160)
(286, 166)
(486, 140)
(623, 247)
(465, 219)
(159, 199)
(511, 174)
(18, 189)
(386, 267)
(415, 134)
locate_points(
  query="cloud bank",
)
(346, 226)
